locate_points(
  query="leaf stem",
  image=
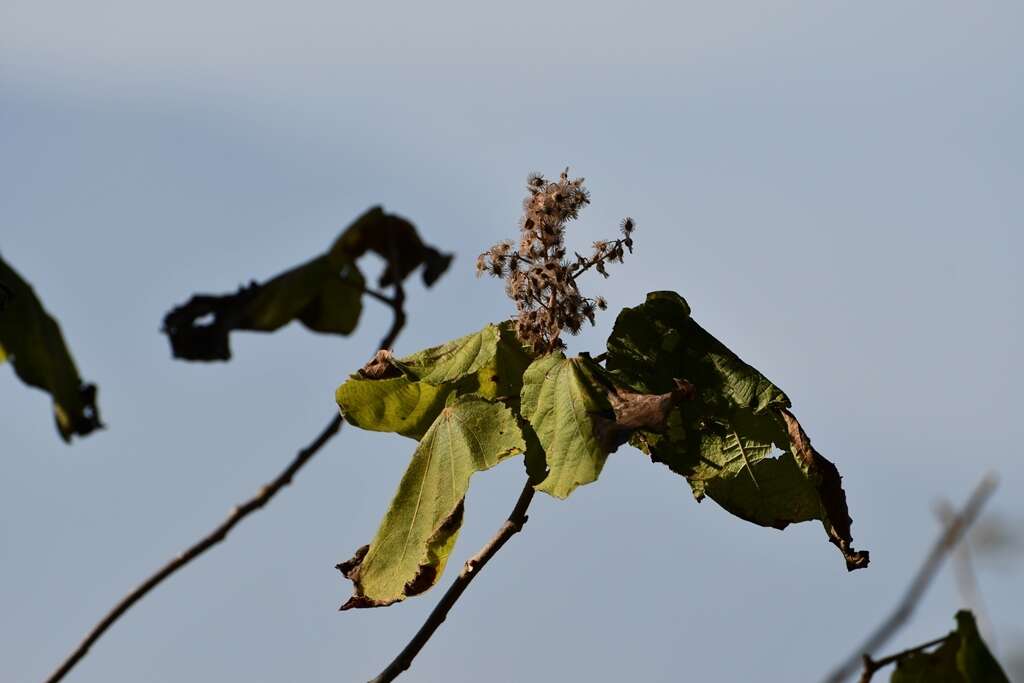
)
(942, 547)
(513, 525)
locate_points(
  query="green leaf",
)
(31, 339)
(411, 547)
(561, 400)
(325, 293)
(723, 441)
(963, 658)
(406, 395)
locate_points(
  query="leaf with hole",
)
(324, 294)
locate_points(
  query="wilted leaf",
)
(405, 395)
(325, 294)
(963, 658)
(723, 441)
(391, 236)
(31, 339)
(411, 548)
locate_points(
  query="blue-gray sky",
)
(835, 188)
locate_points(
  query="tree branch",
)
(513, 525)
(943, 546)
(239, 512)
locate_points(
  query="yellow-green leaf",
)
(406, 395)
(31, 339)
(411, 547)
(561, 400)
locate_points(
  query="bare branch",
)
(944, 545)
(513, 525)
(239, 512)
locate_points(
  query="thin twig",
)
(239, 512)
(216, 536)
(601, 258)
(871, 666)
(944, 545)
(470, 569)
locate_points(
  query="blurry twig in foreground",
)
(238, 513)
(944, 545)
(966, 580)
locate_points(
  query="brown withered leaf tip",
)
(634, 411)
(380, 366)
(425, 577)
(830, 490)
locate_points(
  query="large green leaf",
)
(409, 552)
(325, 293)
(736, 442)
(963, 658)
(31, 339)
(405, 395)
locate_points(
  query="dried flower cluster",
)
(538, 276)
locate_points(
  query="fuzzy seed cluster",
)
(539, 276)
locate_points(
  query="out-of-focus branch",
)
(944, 545)
(513, 525)
(966, 581)
(239, 512)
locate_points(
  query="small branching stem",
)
(942, 548)
(871, 666)
(513, 525)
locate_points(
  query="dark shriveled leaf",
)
(324, 294)
(31, 340)
(411, 547)
(736, 441)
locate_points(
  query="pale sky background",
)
(835, 187)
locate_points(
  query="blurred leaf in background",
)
(325, 294)
(30, 339)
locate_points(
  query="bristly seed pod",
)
(537, 275)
